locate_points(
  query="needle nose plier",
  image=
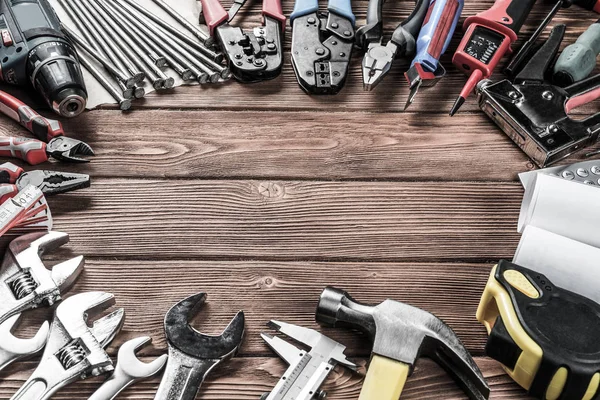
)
(13, 179)
(253, 56)
(378, 58)
(51, 140)
(322, 44)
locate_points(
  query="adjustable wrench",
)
(129, 369)
(74, 350)
(25, 282)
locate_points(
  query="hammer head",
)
(404, 333)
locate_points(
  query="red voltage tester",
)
(488, 37)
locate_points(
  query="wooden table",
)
(261, 196)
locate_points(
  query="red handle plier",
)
(50, 141)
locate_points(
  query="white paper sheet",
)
(97, 95)
(566, 208)
(569, 264)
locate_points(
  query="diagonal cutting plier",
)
(322, 44)
(379, 57)
(51, 140)
(253, 56)
(13, 179)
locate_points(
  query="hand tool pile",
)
(126, 47)
(541, 310)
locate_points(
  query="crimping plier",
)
(51, 140)
(253, 56)
(322, 44)
(378, 58)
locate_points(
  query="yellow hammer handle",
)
(385, 379)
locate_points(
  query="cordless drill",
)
(33, 51)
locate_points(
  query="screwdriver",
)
(489, 36)
(578, 60)
(433, 41)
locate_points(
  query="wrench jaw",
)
(193, 355)
(13, 348)
(25, 282)
(132, 366)
(73, 351)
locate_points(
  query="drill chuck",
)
(54, 71)
(35, 52)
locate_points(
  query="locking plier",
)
(253, 56)
(379, 58)
(322, 45)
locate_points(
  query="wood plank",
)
(290, 145)
(292, 220)
(283, 291)
(249, 378)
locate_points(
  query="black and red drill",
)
(34, 52)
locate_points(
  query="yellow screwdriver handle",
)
(385, 379)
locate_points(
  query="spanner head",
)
(71, 324)
(198, 345)
(13, 348)
(26, 251)
(131, 366)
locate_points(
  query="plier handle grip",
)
(50, 141)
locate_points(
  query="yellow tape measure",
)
(546, 338)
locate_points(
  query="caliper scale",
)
(307, 370)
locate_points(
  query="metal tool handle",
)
(343, 8)
(34, 388)
(112, 387)
(43, 128)
(214, 14)
(30, 150)
(437, 32)
(405, 35)
(509, 13)
(273, 9)
(182, 378)
(303, 7)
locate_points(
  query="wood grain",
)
(249, 378)
(292, 220)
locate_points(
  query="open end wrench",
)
(193, 355)
(13, 348)
(129, 369)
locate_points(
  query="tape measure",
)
(546, 338)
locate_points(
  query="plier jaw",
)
(321, 51)
(253, 56)
(52, 182)
(67, 149)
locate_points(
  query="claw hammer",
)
(401, 334)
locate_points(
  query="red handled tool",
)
(14, 179)
(51, 143)
(488, 37)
